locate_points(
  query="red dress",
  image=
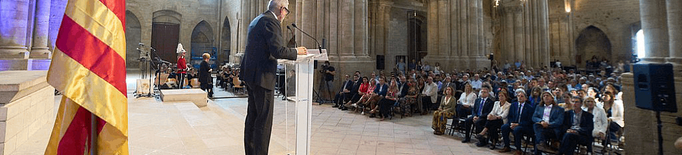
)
(182, 65)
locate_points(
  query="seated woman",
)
(387, 102)
(466, 101)
(361, 92)
(496, 118)
(599, 119)
(365, 96)
(445, 111)
(410, 100)
(379, 92)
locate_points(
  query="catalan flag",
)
(88, 67)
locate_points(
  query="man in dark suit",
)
(548, 118)
(482, 107)
(578, 126)
(345, 90)
(520, 122)
(403, 87)
(264, 46)
(353, 92)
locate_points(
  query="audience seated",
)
(496, 118)
(379, 92)
(519, 122)
(345, 91)
(387, 102)
(429, 95)
(578, 126)
(445, 110)
(482, 107)
(466, 101)
(548, 119)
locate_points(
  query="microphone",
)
(319, 46)
(293, 38)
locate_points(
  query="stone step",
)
(197, 96)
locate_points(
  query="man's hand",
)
(466, 106)
(513, 125)
(571, 131)
(475, 118)
(302, 50)
(544, 124)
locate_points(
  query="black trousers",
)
(426, 103)
(468, 122)
(258, 124)
(385, 107)
(571, 140)
(462, 111)
(493, 126)
(181, 80)
(208, 88)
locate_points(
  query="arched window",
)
(639, 50)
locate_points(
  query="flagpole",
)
(93, 134)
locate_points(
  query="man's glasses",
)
(285, 8)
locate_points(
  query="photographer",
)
(328, 80)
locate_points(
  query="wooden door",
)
(165, 37)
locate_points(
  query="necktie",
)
(520, 110)
(480, 107)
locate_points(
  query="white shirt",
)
(617, 112)
(501, 111)
(476, 84)
(547, 112)
(600, 122)
(467, 99)
(431, 90)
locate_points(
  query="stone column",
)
(40, 34)
(360, 26)
(464, 29)
(508, 33)
(544, 32)
(443, 29)
(13, 28)
(674, 8)
(655, 27)
(346, 28)
(455, 52)
(309, 15)
(432, 30)
(518, 32)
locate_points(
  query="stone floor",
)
(181, 128)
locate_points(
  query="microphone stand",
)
(319, 46)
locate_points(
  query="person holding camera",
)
(328, 80)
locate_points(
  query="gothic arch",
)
(592, 41)
(166, 16)
(133, 38)
(202, 42)
(225, 42)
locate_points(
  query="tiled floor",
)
(182, 128)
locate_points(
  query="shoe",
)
(479, 144)
(466, 140)
(335, 106)
(544, 148)
(492, 145)
(354, 105)
(478, 136)
(437, 133)
(344, 108)
(372, 116)
(517, 152)
(363, 113)
(505, 149)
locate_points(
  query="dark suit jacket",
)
(382, 91)
(586, 122)
(356, 87)
(204, 75)
(526, 114)
(487, 107)
(348, 84)
(264, 45)
(556, 115)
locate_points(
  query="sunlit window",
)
(640, 44)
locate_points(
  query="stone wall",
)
(617, 19)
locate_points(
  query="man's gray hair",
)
(273, 5)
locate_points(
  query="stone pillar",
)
(443, 29)
(544, 33)
(674, 8)
(655, 27)
(519, 32)
(346, 28)
(40, 48)
(309, 15)
(464, 35)
(432, 30)
(13, 28)
(455, 51)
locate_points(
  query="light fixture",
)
(567, 6)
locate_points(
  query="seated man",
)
(429, 95)
(345, 90)
(579, 128)
(548, 118)
(482, 107)
(520, 122)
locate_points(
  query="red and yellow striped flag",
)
(88, 67)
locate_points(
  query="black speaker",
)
(655, 87)
(380, 62)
